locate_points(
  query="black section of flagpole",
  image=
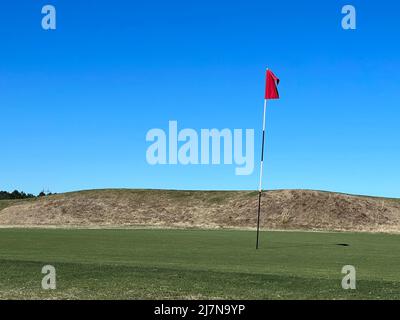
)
(258, 218)
(259, 193)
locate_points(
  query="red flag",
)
(271, 83)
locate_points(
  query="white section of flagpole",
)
(262, 148)
(261, 173)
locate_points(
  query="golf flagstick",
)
(261, 172)
(271, 92)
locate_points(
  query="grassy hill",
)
(282, 209)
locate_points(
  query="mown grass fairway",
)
(155, 264)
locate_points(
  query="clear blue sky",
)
(76, 103)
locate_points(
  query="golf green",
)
(197, 264)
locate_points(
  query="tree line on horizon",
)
(17, 195)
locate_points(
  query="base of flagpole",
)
(258, 219)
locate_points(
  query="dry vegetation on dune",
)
(282, 209)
